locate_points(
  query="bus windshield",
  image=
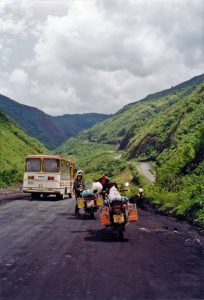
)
(33, 165)
(51, 165)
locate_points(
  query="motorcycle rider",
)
(105, 183)
(78, 187)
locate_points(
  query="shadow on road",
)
(81, 217)
(44, 199)
(103, 236)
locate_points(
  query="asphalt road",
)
(48, 253)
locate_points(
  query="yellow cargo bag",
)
(99, 200)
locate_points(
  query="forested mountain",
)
(15, 145)
(49, 130)
(166, 128)
(122, 126)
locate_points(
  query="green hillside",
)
(121, 127)
(174, 140)
(15, 145)
(166, 128)
(94, 158)
(49, 130)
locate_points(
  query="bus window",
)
(71, 169)
(67, 167)
(75, 171)
(32, 165)
(51, 165)
(64, 167)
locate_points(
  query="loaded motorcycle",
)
(90, 199)
(117, 212)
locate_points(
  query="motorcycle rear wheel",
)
(92, 215)
(120, 235)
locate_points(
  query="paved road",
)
(146, 169)
(47, 253)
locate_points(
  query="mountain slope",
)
(166, 128)
(175, 141)
(121, 127)
(15, 145)
(49, 130)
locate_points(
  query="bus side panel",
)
(66, 183)
(67, 176)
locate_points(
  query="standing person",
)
(105, 183)
(140, 197)
(78, 187)
(140, 192)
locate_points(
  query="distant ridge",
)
(188, 85)
(49, 130)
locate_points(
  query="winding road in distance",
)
(48, 253)
(146, 169)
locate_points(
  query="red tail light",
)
(30, 177)
(50, 178)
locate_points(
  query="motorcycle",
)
(90, 200)
(117, 213)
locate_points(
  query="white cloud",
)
(19, 77)
(97, 55)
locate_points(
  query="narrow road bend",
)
(146, 169)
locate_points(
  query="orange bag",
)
(132, 213)
(105, 216)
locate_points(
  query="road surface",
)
(146, 169)
(48, 253)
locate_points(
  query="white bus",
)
(48, 175)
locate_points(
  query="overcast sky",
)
(98, 55)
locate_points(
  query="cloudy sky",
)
(97, 55)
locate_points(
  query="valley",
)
(166, 128)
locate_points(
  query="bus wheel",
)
(35, 196)
(60, 197)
